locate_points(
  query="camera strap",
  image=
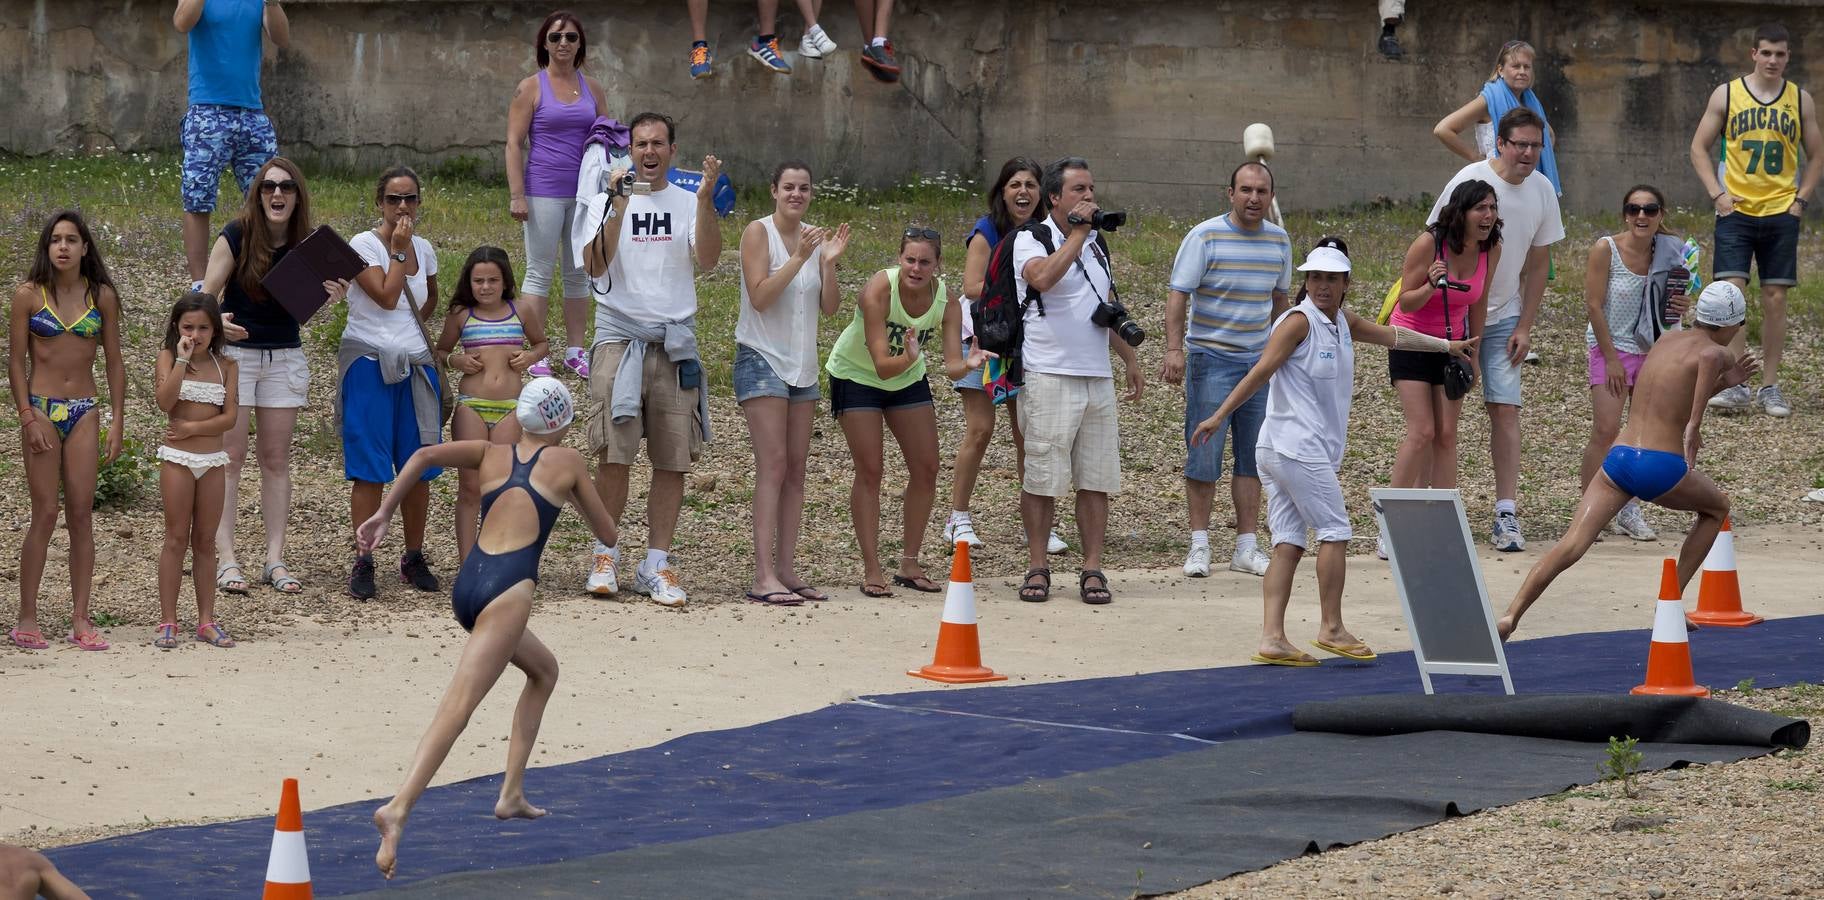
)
(1095, 250)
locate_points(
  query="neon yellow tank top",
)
(849, 357)
(1761, 149)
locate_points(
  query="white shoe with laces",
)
(603, 581)
(1772, 402)
(1251, 561)
(1055, 545)
(961, 531)
(662, 586)
(1505, 535)
(1197, 563)
(1735, 399)
(1632, 523)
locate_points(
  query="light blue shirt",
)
(1231, 274)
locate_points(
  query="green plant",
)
(1622, 764)
(105, 620)
(1745, 686)
(121, 483)
(1794, 784)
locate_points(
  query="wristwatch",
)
(398, 257)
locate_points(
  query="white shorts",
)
(273, 379)
(1072, 435)
(1301, 495)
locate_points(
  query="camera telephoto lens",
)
(1130, 332)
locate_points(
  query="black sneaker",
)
(1390, 47)
(361, 580)
(413, 570)
(880, 61)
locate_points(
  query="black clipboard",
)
(297, 281)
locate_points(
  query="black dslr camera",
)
(1111, 314)
(1101, 220)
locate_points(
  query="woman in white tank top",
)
(1310, 359)
(788, 279)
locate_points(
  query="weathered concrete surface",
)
(1154, 92)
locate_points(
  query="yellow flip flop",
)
(1357, 651)
(1303, 660)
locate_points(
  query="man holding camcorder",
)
(1067, 407)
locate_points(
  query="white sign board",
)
(1440, 583)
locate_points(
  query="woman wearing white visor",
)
(1310, 358)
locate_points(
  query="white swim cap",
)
(545, 406)
(1722, 305)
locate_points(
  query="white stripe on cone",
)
(1669, 622)
(959, 603)
(1721, 557)
(288, 863)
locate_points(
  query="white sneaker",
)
(603, 582)
(1054, 544)
(662, 586)
(1380, 546)
(961, 531)
(1735, 399)
(1773, 402)
(1816, 496)
(816, 46)
(1505, 536)
(1253, 562)
(1631, 523)
(1197, 564)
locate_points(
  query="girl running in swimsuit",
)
(197, 387)
(61, 315)
(492, 597)
(494, 333)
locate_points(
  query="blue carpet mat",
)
(886, 752)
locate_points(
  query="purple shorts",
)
(1599, 369)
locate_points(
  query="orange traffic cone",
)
(1669, 658)
(959, 653)
(1719, 593)
(288, 868)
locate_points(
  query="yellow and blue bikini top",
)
(45, 323)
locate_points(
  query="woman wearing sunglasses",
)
(877, 378)
(388, 402)
(547, 124)
(264, 342)
(1625, 290)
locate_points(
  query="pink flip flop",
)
(87, 640)
(28, 640)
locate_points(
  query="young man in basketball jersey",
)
(1763, 121)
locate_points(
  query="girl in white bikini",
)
(196, 386)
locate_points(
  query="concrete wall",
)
(1154, 92)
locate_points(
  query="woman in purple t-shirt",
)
(552, 110)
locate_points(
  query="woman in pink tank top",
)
(1469, 228)
(552, 111)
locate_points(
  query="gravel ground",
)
(1746, 829)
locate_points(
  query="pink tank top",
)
(1430, 318)
(558, 131)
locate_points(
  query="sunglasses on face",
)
(279, 187)
(1635, 209)
(929, 234)
(400, 199)
(562, 37)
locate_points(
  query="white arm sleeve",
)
(1407, 339)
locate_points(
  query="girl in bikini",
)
(495, 334)
(197, 387)
(528, 482)
(65, 311)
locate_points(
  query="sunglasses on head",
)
(1635, 209)
(929, 234)
(401, 199)
(561, 37)
(279, 187)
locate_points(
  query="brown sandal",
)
(1039, 592)
(869, 589)
(1095, 596)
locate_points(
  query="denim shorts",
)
(973, 380)
(1771, 243)
(222, 137)
(1208, 379)
(754, 377)
(1500, 378)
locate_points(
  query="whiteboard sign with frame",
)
(1439, 582)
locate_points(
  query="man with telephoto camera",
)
(1067, 407)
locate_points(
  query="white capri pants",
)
(1302, 495)
(548, 227)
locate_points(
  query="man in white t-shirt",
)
(645, 381)
(1530, 225)
(1067, 407)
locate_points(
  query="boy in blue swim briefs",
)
(1655, 455)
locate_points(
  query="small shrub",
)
(122, 483)
(1622, 764)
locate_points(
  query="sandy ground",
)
(130, 738)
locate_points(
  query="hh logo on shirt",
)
(650, 226)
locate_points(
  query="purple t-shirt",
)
(558, 130)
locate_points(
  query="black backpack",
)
(999, 314)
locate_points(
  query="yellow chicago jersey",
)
(1761, 149)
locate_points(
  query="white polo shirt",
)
(1063, 341)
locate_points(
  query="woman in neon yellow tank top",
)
(877, 378)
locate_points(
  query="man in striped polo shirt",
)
(1228, 285)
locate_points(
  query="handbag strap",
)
(417, 315)
(1437, 235)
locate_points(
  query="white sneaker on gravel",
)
(1631, 523)
(1505, 536)
(1251, 561)
(1735, 399)
(1054, 544)
(603, 582)
(961, 531)
(1197, 563)
(1773, 402)
(662, 586)
(1816, 496)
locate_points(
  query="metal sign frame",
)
(1428, 667)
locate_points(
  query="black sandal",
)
(1094, 596)
(1036, 593)
(917, 583)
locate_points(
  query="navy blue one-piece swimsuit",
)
(485, 576)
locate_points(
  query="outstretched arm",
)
(452, 455)
(1286, 337)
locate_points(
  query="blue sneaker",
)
(767, 52)
(702, 61)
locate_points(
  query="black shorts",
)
(1416, 365)
(846, 396)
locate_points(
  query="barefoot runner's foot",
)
(516, 808)
(391, 824)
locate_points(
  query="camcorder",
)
(1101, 220)
(1113, 315)
(627, 186)
(1443, 283)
